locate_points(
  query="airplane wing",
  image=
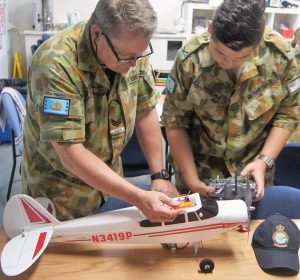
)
(23, 250)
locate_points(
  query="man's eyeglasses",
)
(125, 60)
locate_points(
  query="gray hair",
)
(137, 16)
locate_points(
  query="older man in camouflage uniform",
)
(232, 99)
(89, 85)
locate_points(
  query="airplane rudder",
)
(21, 211)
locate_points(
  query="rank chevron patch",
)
(116, 122)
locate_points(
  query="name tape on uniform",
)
(56, 106)
(294, 85)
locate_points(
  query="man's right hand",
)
(158, 207)
(201, 187)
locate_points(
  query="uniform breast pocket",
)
(95, 106)
(208, 104)
(130, 94)
(264, 106)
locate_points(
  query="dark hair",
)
(136, 15)
(239, 23)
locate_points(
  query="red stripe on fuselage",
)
(40, 243)
(33, 214)
(189, 229)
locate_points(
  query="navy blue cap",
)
(276, 243)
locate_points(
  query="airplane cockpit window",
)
(209, 208)
(178, 220)
(147, 223)
(192, 217)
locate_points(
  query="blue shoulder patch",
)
(170, 85)
(56, 106)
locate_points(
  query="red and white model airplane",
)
(31, 227)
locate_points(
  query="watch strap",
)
(266, 159)
(162, 174)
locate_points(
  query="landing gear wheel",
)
(207, 265)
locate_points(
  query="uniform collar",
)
(250, 67)
(260, 59)
(206, 57)
(87, 60)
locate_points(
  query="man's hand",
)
(158, 207)
(202, 188)
(164, 186)
(256, 170)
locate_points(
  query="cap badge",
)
(280, 237)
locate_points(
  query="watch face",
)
(165, 174)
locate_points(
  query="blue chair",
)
(278, 199)
(287, 166)
(133, 159)
(114, 203)
(18, 84)
(134, 164)
(14, 121)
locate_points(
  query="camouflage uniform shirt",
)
(297, 56)
(71, 100)
(227, 122)
(295, 137)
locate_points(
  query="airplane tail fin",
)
(30, 226)
(23, 212)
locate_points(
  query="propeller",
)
(235, 184)
(248, 200)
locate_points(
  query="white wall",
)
(5, 51)
(167, 10)
(20, 15)
(5, 55)
(62, 7)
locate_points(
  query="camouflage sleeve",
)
(148, 95)
(288, 114)
(177, 109)
(58, 104)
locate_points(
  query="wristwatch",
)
(162, 174)
(267, 160)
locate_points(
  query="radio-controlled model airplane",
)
(31, 227)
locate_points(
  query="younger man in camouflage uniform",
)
(295, 137)
(88, 86)
(232, 99)
(296, 44)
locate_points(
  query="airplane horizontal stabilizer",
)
(23, 212)
(23, 250)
